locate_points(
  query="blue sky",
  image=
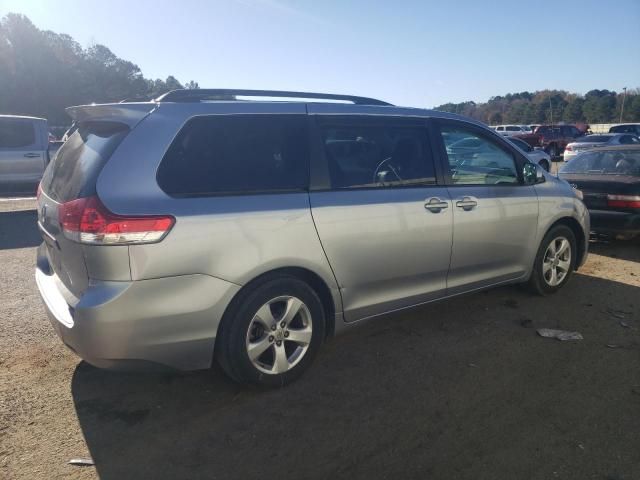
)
(417, 53)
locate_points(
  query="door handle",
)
(467, 203)
(435, 205)
(31, 155)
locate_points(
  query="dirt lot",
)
(464, 389)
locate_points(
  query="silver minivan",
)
(203, 226)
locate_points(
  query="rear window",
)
(74, 170)
(594, 138)
(618, 162)
(214, 155)
(15, 133)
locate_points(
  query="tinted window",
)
(16, 133)
(380, 154)
(237, 154)
(476, 160)
(513, 128)
(628, 140)
(74, 170)
(618, 162)
(521, 144)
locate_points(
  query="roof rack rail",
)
(222, 94)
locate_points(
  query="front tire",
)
(555, 261)
(271, 333)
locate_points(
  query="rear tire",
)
(544, 164)
(270, 334)
(552, 150)
(555, 261)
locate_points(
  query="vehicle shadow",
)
(18, 229)
(622, 249)
(449, 390)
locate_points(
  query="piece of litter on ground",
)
(81, 462)
(473, 365)
(562, 335)
(612, 345)
(624, 324)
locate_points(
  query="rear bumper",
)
(603, 221)
(169, 322)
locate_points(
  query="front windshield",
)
(618, 162)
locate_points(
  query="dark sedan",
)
(609, 179)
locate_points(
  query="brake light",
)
(623, 201)
(568, 148)
(87, 220)
(39, 191)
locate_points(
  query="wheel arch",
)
(311, 278)
(575, 227)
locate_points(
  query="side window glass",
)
(16, 133)
(381, 155)
(237, 154)
(476, 160)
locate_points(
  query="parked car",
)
(609, 178)
(633, 128)
(552, 138)
(509, 130)
(536, 155)
(595, 141)
(249, 231)
(24, 152)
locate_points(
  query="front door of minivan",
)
(383, 219)
(495, 216)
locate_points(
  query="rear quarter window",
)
(237, 154)
(74, 170)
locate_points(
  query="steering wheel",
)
(380, 165)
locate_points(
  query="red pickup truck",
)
(552, 138)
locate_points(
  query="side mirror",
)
(532, 174)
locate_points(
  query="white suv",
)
(509, 130)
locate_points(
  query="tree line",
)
(42, 72)
(553, 106)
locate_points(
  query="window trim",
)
(288, 191)
(518, 159)
(320, 176)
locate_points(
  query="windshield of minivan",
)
(618, 162)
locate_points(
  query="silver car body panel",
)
(377, 250)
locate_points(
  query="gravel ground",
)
(463, 389)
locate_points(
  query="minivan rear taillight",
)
(623, 201)
(87, 220)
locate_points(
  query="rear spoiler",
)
(127, 113)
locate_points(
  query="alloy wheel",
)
(279, 335)
(556, 261)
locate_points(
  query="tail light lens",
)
(569, 148)
(623, 201)
(39, 191)
(87, 220)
